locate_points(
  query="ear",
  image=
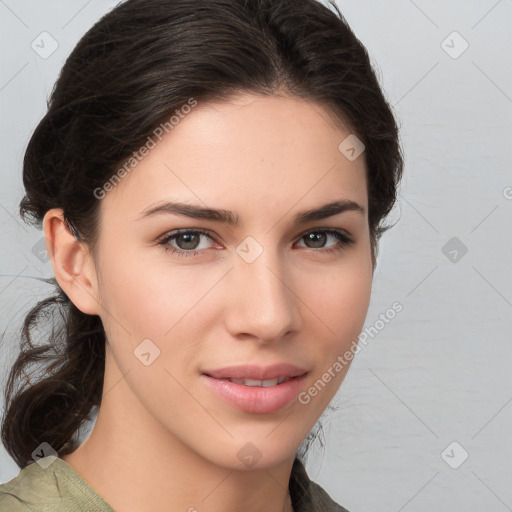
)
(72, 262)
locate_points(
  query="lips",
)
(256, 373)
(262, 383)
(256, 389)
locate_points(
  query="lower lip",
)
(256, 399)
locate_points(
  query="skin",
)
(163, 441)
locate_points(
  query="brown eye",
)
(186, 242)
(317, 239)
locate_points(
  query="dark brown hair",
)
(135, 67)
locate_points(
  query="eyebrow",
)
(230, 218)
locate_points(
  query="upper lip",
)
(254, 372)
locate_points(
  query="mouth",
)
(254, 375)
(259, 383)
(275, 391)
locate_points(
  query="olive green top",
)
(52, 485)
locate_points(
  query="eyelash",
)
(345, 241)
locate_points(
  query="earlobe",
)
(72, 263)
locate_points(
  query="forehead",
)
(254, 150)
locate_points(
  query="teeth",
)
(262, 383)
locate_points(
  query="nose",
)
(262, 303)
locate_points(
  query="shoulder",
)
(308, 496)
(323, 501)
(25, 491)
(49, 485)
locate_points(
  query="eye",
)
(318, 238)
(188, 242)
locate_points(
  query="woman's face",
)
(265, 290)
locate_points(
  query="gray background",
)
(439, 372)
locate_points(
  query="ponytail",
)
(52, 406)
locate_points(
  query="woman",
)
(212, 179)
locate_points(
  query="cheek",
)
(339, 300)
(131, 298)
(156, 299)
